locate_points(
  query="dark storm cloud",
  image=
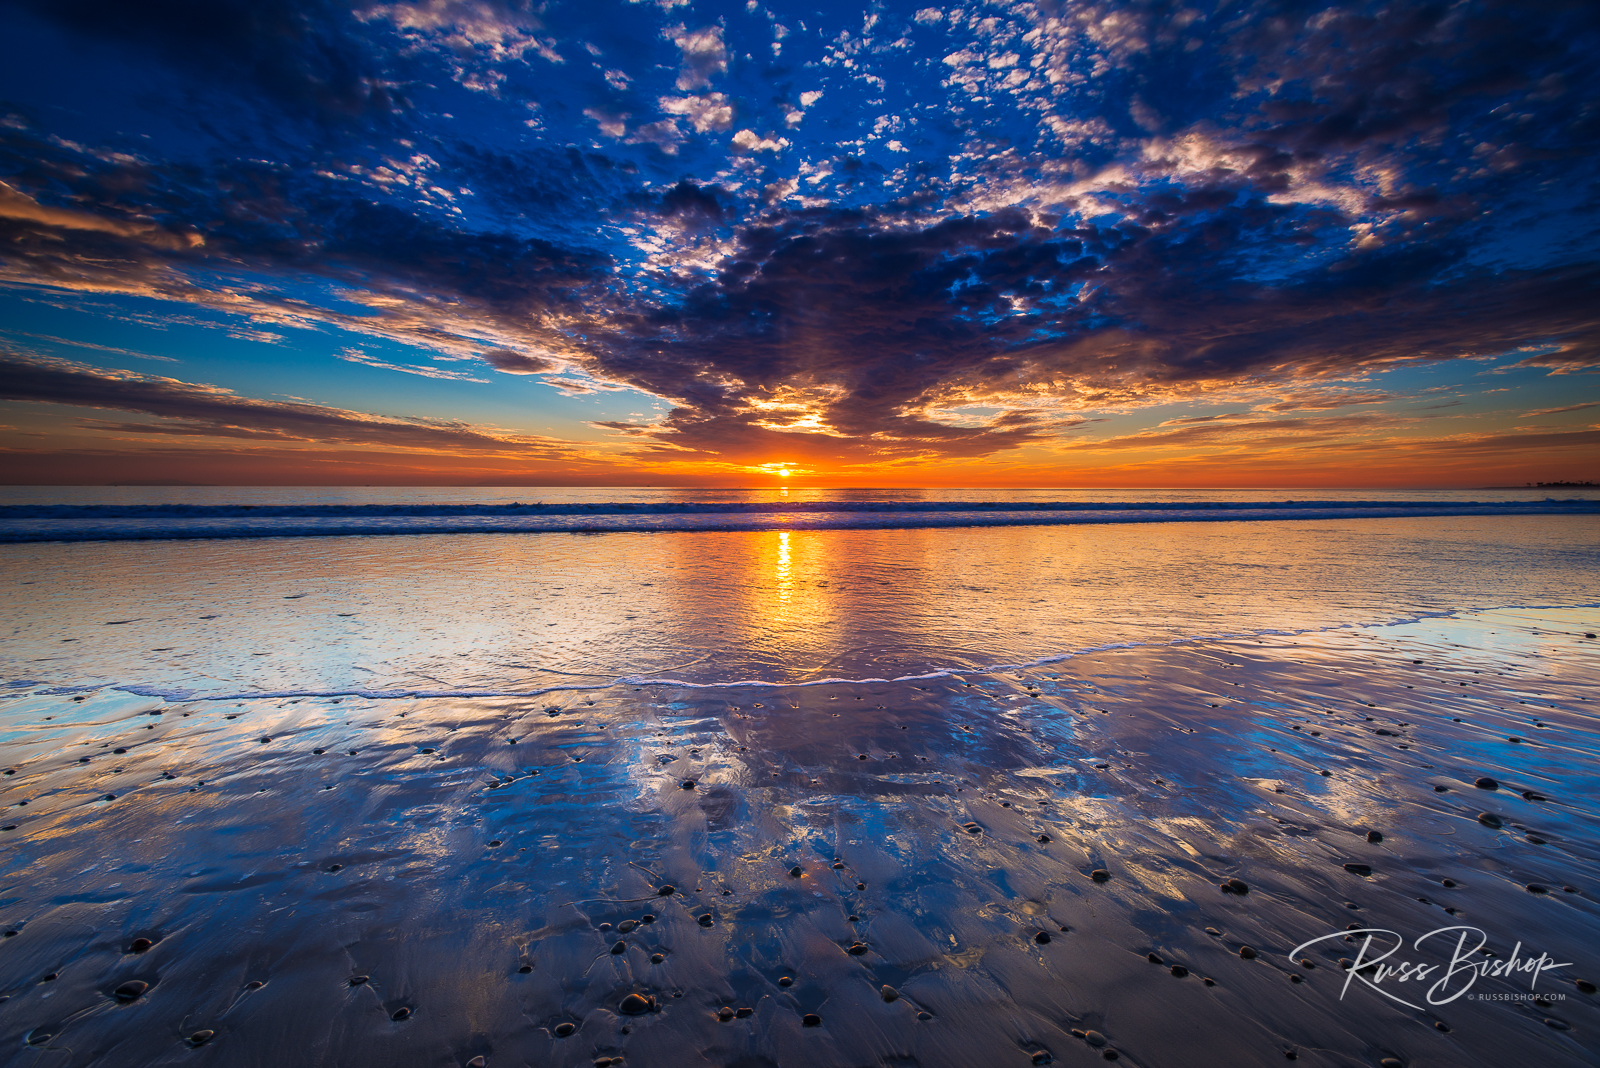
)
(208, 411)
(516, 363)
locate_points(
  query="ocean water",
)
(585, 588)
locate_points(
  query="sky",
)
(678, 242)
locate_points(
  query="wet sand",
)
(887, 873)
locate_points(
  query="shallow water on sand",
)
(510, 614)
(371, 880)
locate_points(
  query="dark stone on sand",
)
(626, 925)
(1042, 937)
(318, 752)
(1441, 789)
(1213, 932)
(1374, 836)
(1236, 886)
(1489, 819)
(797, 871)
(110, 797)
(1094, 1038)
(1535, 888)
(1099, 875)
(359, 980)
(655, 958)
(1109, 1054)
(972, 828)
(1179, 970)
(335, 867)
(647, 918)
(725, 1014)
(139, 945)
(525, 969)
(1358, 869)
(1044, 838)
(402, 1013)
(1532, 795)
(1307, 962)
(1559, 1025)
(620, 948)
(200, 1038)
(687, 784)
(857, 949)
(1486, 783)
(1209, 982)
(495, 843)
(1042, 1057)
(254, 984)
(478, 1062)
(705, 920)
(1153, 958)
(838, 867)
(810, 1019)
(119, 752)
(1584, 986)
(889, 993)
(1447, 882)
(562, 1030)
(1247, 953)
(39, 1038)
(924, 1015)
(132, 990)
(863, 756)
(667, 891)
(265, 740)
(861, 886)
(743, 1013)
(1297, 979)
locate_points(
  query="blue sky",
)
(1024, 242)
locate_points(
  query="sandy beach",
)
(1010, 867)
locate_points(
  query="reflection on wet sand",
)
(910, 866)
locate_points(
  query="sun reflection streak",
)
(785, 575)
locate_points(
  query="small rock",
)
(562, 1030)
(657, 958)
(139, 945)
(1179, 970)
(619, 948)
(1486, 783)
(402, 1013)
(1042, 937)
(478, 1062)
(687, 784)
(200, 1038)
(857, 949)
(1358, 869)
(131, 990)
(725, 1014)
(1099, 875)
(797, 871)
(1374, 836)
(1391, 1062)
(1237, 886)
(358, 980)
(626, 925)
(1535, 888)
(889, 993)
(743, 1013)
(1584, 986)
(1247, 953)
(786, 981)
(1094, 1038)
(1533, 795)
(705, 920)
(667, 891)
(1489, 819)
(810, 1019)
(1153, 958)
(1044, 838)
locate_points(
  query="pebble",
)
(1358, 869)
(1236, 886)
(139, 945)
(889, 994)
(360, 980)
(1042, 1057)
(562, 1030)
(200, 1038)
(786, 981)
(1213, 932)
(1584, 986)
(1532, 795)
(655, 958)
(1535, 888)
(797, 871)
(619, 948)
(1044, 838)
(1489, 819)
(810, 1019)
(1374, 836)
(924, 1015)
(478, 1062)
(1486, 783)
(1099, 875)
(1247, 953)
(335, 867)
(725, 1014)
(131, 990)
(1179, 970)
(687, 784)
(667, 891)
(857, 949)
(402, 1013)
(743, 1012)
(1441, 789)
(1094, 1038)
(1153, 958)
(1042, 937)
(626, 925)
(705, 920)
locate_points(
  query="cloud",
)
(358, 356)
(1568, 408)
(704, 55)
(706, 114)
(21, 208)
(203, 410)
(516, 363)
(1321, 401)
